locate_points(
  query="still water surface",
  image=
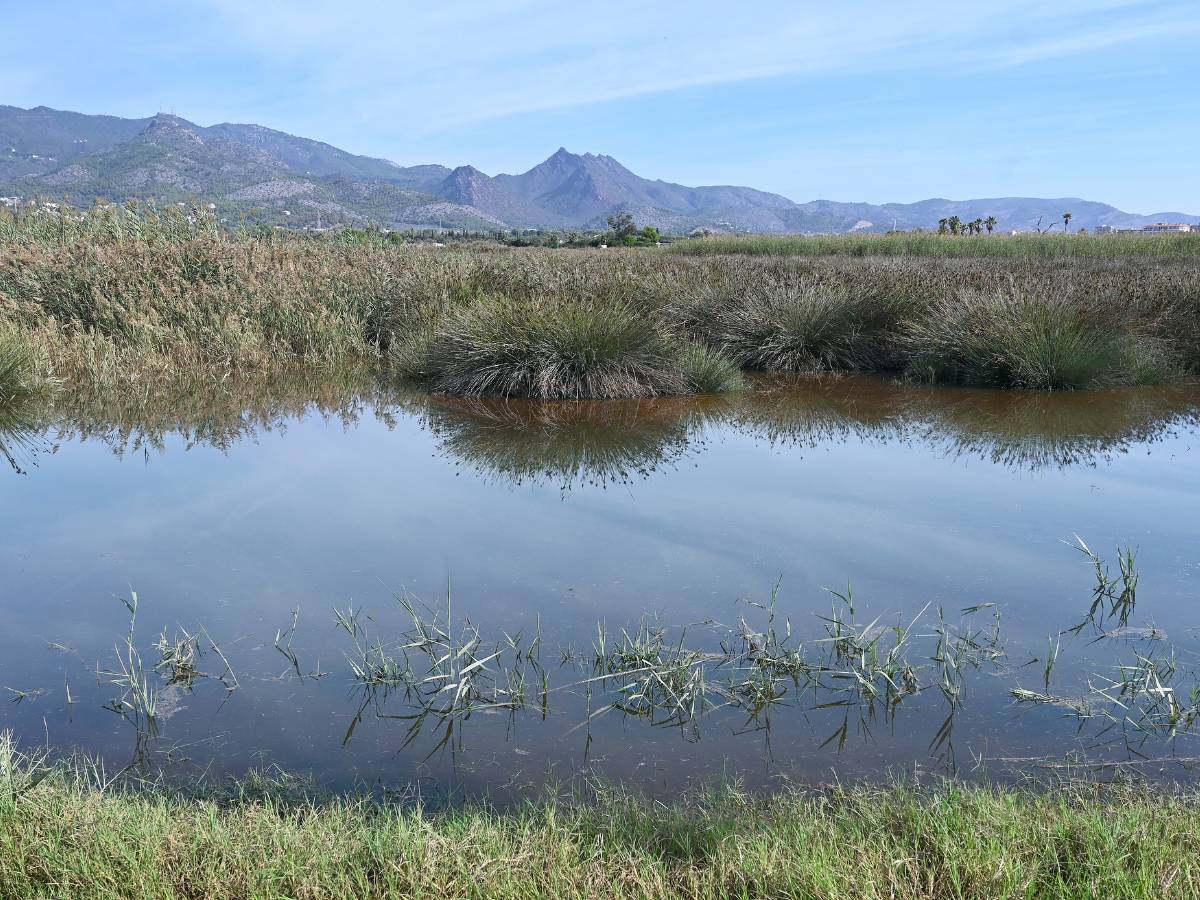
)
(232, 516)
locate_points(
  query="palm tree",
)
(942, 225)
(1066, 220)
(990, 222)
(955, 224)
(977, 226)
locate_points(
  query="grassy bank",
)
(1054, 245)
(62, 835)
(117, 298)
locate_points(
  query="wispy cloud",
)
(1090, 40)
(468, 62)
(863, 98)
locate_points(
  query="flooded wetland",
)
(815, 578)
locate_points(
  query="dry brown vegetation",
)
(121, 298)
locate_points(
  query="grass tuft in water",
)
(1031, 338)
(800, 324)
(709, 371)
(567, 350)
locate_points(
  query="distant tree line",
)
(623, 230)
(955, 225)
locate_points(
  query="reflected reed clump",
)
(1010, 428)
(203, 414)
(598, 443)
(592, 442)
(20, 439)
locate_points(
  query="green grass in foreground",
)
(64, 837)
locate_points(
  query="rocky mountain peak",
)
(166, 127)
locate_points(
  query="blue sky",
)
(850, 100)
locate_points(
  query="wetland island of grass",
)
(858, 566)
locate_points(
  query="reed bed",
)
(117, 297)
(1053, 245)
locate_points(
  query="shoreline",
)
(61, 834)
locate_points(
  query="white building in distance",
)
(1156, 228)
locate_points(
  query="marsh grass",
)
(436, 674)
(138, 701)
(16, 370)
(931, 245)
(69, 831)
(443, 672)
(1112, 597)
(144, 301)
(566, 350)
(803, 325)
(709, 371)
(1032, 338)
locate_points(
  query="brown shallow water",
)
(231, 511)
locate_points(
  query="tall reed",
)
(144, 300)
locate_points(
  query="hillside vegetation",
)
(257, 173)
(115, 296)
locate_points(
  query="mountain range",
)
(278, 178)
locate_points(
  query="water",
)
(230, 514)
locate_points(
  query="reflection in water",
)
(210, 415)
(605, 442)
(1020, 429)
(589, 442)
(285, 530)
(856, 674)
(20, 443)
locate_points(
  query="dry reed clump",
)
(1025, 337)
(24, 367)
(16, 366)
(202, 307)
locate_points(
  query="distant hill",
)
(293, 180)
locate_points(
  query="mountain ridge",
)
(286, 179)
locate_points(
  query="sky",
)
(853, 100)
